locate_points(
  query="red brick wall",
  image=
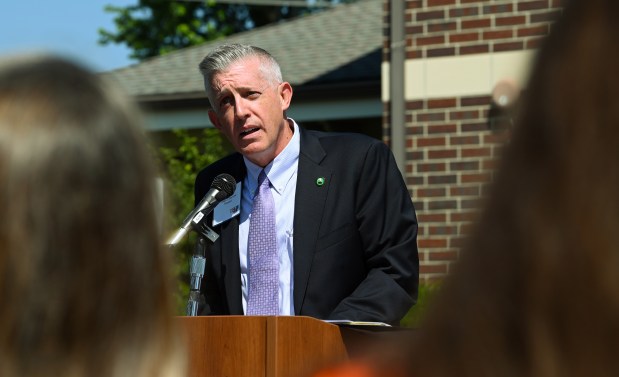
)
(450, 156)
(451, 152)
(438, 28)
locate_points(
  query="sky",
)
(64, 27)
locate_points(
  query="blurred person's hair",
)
(84, 282)
(536, 291)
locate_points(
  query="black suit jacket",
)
(354, 238)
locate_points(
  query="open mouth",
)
(249, 132)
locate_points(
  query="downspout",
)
(396, 83)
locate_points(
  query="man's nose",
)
(241, 109)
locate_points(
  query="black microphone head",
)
(225, 184)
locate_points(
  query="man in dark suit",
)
(346, 226)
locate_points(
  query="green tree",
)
(156, 27)
(180, 162)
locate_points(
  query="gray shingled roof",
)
(307, 48)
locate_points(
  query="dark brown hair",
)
(536, 292)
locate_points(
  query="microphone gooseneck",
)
(221, 188)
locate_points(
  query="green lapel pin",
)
(320, 181)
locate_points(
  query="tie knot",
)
(262, 178)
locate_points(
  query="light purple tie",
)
(262, 249)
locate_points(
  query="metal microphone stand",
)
(198, 264)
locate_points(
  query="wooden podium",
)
(247, 346)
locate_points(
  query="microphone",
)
(222, 187)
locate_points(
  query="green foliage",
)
(181, 162)
(426, 293)
(184, 159)
(156, 27)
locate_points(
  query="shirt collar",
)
(281, 170)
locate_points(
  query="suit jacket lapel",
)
(231, 270)
(310, 199)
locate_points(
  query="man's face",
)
(249, 110)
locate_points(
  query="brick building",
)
(453, 53)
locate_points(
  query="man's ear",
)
(285, 95)
(213, 118)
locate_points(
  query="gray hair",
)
(222, 57)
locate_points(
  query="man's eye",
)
(253, 95)
(225, 102)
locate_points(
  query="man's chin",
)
(257, 156)
(250, 150)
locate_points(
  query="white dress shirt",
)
(282, 173)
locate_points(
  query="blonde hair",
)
(84, 283)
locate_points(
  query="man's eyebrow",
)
(248, 88)
(220, 92)
(226, 89)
